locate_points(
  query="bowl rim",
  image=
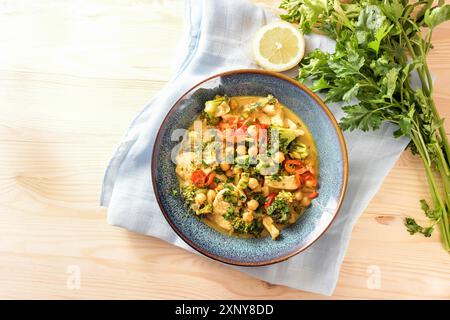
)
(342, 144)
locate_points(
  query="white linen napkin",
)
(218, 37)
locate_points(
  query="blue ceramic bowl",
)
(333, 167)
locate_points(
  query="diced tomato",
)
(198, 178)
(243, 128)
(313, 195)
(292, 166)
(269, 200)
(210, 179)
(309, 177)
(301, 170)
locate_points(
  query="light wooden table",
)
(73, 75)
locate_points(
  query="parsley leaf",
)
(414, 228)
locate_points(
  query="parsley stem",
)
(441, 129)
(435, 194)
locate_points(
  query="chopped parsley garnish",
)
(230, 214)
(276, 177)
(230, 197)
(279, 211)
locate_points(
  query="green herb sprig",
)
(379, 45)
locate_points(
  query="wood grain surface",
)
(73, 75)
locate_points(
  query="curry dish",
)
(247, 166)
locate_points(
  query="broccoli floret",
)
(298, 150)
(207, 208)
(271, 99)
(217, 107)
(283, 137)
(188, 192)
(254, 228)
(210, 119)
(285, 195)
(279, 209)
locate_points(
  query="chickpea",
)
(241, 150)
(200, 198)
(252, 205)
(309, 184)
(252, 130)
(221, 177)
(257, 189)
(211, 195)
(253, 151)
(253, 183)
(278, 157)
(265, 191)
(229, 173)
(298, 195)
(247, 216)
(224, 166)
(237, 170)
(305, 202)
(219, 187)
(243, 181)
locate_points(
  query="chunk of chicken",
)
(270, 227)
(220, 221)
(222, 109)
(278, 119)
(185, 165)
(283, 182)
(220, 206)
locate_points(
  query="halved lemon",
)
(278, 46)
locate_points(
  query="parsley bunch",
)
(379, 45)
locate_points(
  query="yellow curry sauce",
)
(248, 166)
